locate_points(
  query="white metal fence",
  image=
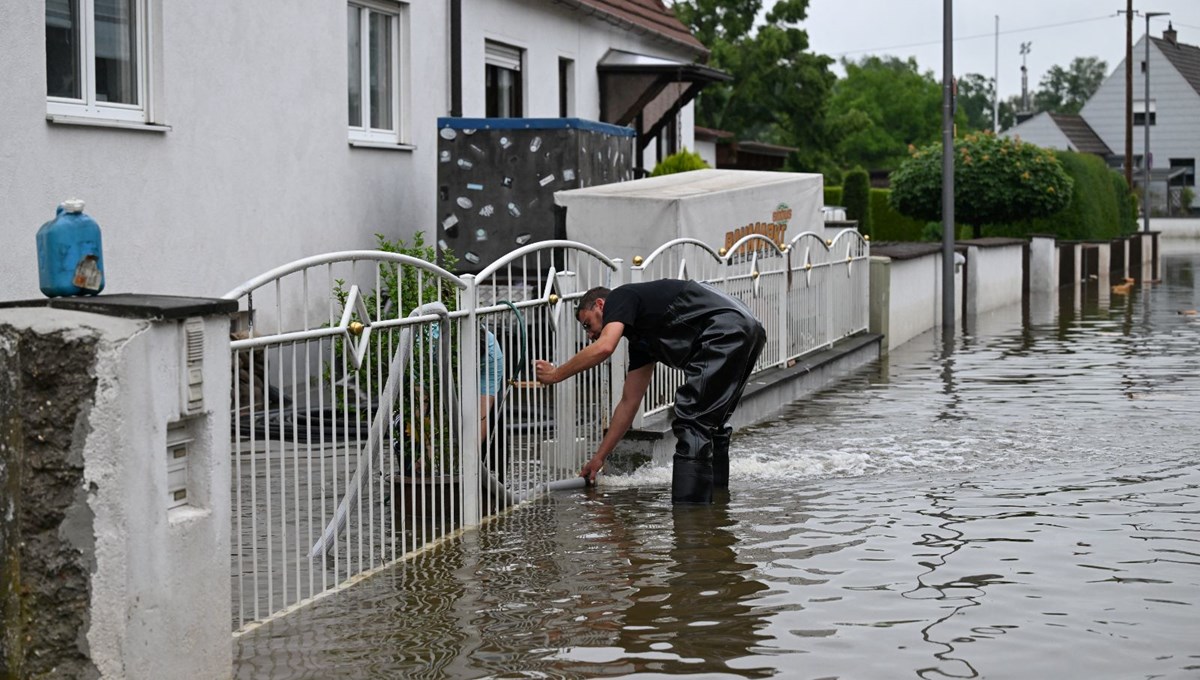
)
(808, 293)
(354, 442)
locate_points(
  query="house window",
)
(1189, 175)
(373, 56)
(566, 88)
(1139, 113)
(503, 80)
(96, 59)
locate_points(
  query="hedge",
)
(889, 225)
(1101, 206)
(833, 195)
(856, 194)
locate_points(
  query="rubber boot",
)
(692, 470)
(720, 456)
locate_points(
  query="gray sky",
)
(1059, 31)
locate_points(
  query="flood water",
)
(1022, 504)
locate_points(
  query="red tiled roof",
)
(648, 16)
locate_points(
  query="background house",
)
(1174, 69)
(215, 141)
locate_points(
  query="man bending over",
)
(687, 325)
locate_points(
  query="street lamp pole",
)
(947, 170)
(1146, 124)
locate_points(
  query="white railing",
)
(808, 293)
(351, 429)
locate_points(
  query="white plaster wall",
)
(916, 298)
(256, 170)
(707, 151)
(160, 589)
(994, 277)
(1176, 228)
(1043, 265)
(547, 32)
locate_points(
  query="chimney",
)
(1169, 35)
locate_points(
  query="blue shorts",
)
(491, 369)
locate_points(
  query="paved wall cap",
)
(135, 306)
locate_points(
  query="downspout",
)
(456, 58)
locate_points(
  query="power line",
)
(975, 37)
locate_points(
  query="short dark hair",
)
(589, 299)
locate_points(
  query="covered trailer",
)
(717, 207)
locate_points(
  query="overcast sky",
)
(1058, 30)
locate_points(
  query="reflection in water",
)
(699, 612)
(1021, 506)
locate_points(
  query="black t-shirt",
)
(642, 307)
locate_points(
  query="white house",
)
(1172, 114)
(213, 141)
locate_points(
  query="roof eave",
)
(695, 47)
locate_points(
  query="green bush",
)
(856, 192)
(889, 225)
(833, 195)
(997, 180)
(683, 161)
(1101, 205)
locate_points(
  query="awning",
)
(646, 92)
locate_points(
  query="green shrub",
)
(856, 192)
(889, 225)
(997, 180)
(833, 195)
(1101, 205)
(683, 161)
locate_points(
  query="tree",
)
(856, 196)
(975, 96)
(881, 107)
(779, 88)
(1066, 91)
(996, 180)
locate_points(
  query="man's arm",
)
(636, 383)
(589, 357)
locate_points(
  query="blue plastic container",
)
(70, 260)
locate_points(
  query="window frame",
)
(364, 134)
(493, 60)
(566, 87)
(1139, 112)
(87, 108)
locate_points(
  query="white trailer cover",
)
(715, 206)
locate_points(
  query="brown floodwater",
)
(1023, 503)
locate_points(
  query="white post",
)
(564, 392)
(637, 274)
(470, 445)
(619, 361)
(147, 521)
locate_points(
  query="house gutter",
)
(456, 58)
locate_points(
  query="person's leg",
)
(722, 434)
(714, 379)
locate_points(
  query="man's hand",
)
(591, 468)
(546, 372)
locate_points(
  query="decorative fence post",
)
(619, 361)
(565, 403)
(470, 443)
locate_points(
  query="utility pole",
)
(947, 170)
(996, 80)
(1025, 47)
(1129, 94)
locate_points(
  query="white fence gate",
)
(354, 442)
